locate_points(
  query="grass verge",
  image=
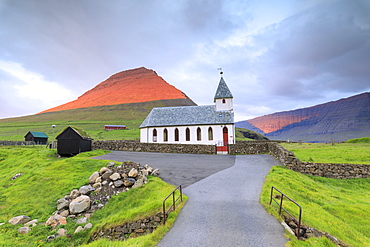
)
(346, 153)
(339, 207)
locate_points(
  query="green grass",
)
(47, 178)
(349, 153)
(91, 119)
(360, 140)
(339, 207)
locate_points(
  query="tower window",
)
(223, 101)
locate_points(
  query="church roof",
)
(187, 115)
(222, 90)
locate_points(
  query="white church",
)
(208, 125)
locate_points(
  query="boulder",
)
(82, 220)
(79, 204)
(74, 193)
(103, 170)
(133, 173)
(85, 190)
(64, 213)
(24, 230)
(79, 229)
(93, 177)
(19, 220)
(31, 223)
(111, 165)
(50, 238)
(138, 182)
(61, 233)
(56, 220)
(118, 183)
(115, 176)
(107, 174)
(128, 182)
(88, 226)
(62, 203)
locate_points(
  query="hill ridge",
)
(129, 86)
(342, 119)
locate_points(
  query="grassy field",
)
(352, 152)
(46, 179)
(337, 206)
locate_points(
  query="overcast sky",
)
(275, 55)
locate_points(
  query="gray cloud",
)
(309, 53)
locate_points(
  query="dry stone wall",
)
(153, 147)
(17, 143)
(343, 171)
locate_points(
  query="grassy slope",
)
(352, 153)
(35, 194)
(91, 119)
(339, 207)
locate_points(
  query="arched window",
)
(210, 134)
(165, 135)
(199, 134)
(187, 134)
(176, 135)
(154, 135)
(223, 101)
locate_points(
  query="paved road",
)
(223, 207)
(224, 210)
(174, 168)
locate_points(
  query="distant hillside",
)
(341, 120)
(130, 86)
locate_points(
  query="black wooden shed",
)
(72, 141)
(37, 137)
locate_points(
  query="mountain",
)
(340, 120)
(130, 86)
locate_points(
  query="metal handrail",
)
(173, 206)
(282, 208)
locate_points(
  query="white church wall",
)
(146, 134)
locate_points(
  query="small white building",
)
(208, 125)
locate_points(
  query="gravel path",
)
(224, 210)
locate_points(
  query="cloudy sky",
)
(275, 55)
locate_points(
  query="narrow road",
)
(223, 207)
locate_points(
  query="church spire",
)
(223, 97)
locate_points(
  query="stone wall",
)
(17, 143)
(330, 170)
(153, 147)
(249, 147)
(130, 229)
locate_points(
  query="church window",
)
(223, 101)
(165, 135)
(187, 134)
(176, 135)
(199, 134)
(210, 134)
(154, 135)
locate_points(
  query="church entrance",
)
(223, 148)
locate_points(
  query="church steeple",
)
(223, 97)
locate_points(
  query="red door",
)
(226, 136)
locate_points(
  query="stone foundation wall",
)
(330, 170)
(130, 230)
(17, 143)
(153, 147)
(249, 147)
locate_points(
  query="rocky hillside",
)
(130, 86)
(341, 120)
